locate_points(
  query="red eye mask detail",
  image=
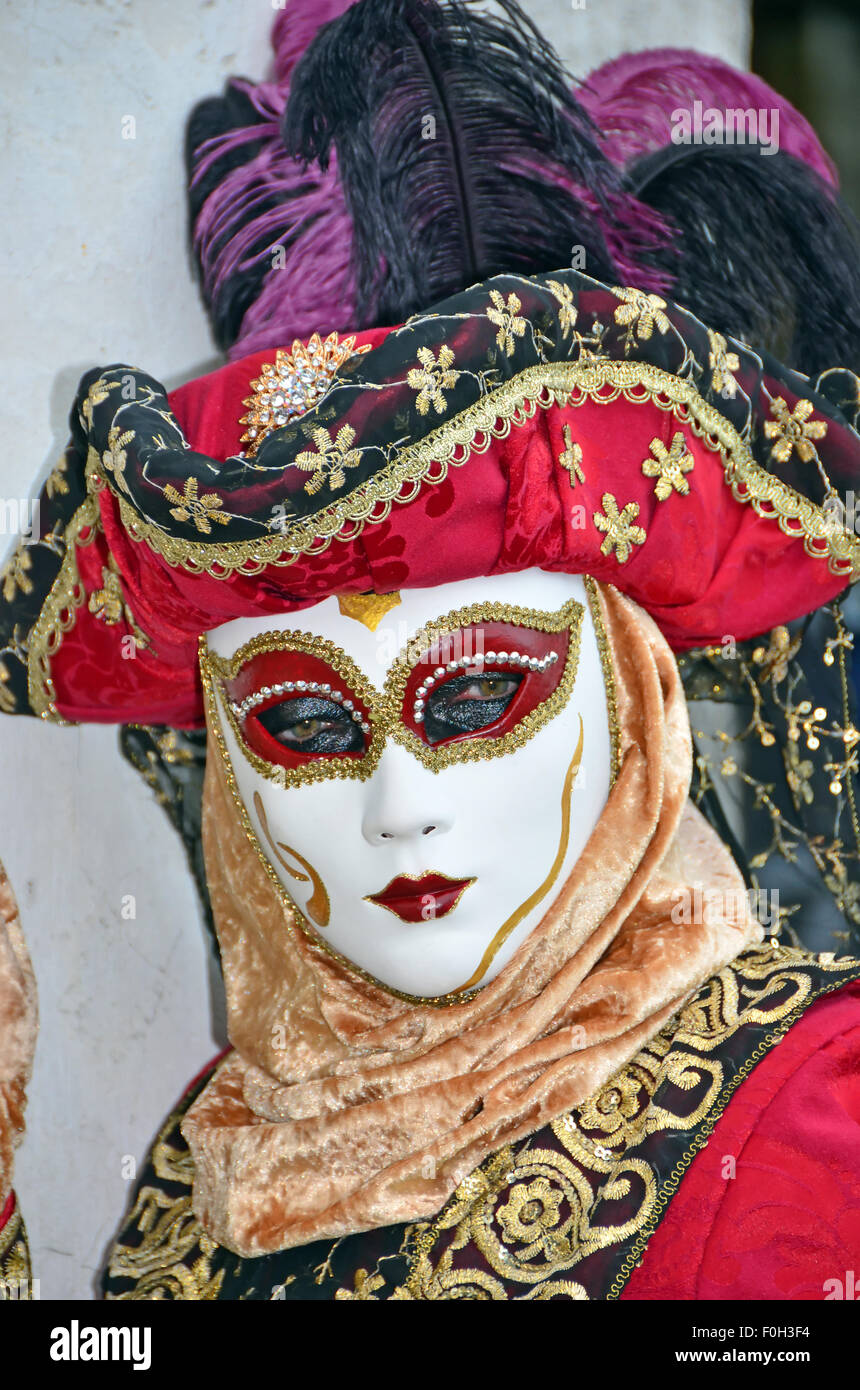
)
(492, 641)
(269, 669)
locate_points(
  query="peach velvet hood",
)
(344, 1108)
(18, 1029)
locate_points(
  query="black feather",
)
(765, 250)
(461, 148)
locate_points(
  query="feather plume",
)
(764, 251)
(462, 153)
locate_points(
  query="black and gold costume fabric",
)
(565, 1214)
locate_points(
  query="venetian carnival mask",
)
(423, 782)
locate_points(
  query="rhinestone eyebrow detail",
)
(477, 664)
(301, 688)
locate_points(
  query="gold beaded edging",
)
(493, 416)
(604, 647)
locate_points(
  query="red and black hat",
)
(546, 421)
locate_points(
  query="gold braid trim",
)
(16, 1279)
(534, 1213)
(428, 460)
(59, 612)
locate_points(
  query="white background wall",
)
(96, 270)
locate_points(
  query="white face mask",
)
(421, 815)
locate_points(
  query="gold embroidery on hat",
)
(108, 604)
(571, 457)
(329, 458)
(621, 533)
(793, 429)
(506, 316)
(470, 431)
(432, 379)
(191, 507)
(669, 466)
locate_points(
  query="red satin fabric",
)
(789, 1221)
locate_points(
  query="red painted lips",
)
(421, 899)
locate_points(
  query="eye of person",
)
(468, 704)
(312, 725)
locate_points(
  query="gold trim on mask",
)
(534, 898)
(369, 609)
(595, 604)
(384, 707)
(318, 906)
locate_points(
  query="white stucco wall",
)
(96, 271)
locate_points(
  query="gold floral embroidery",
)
(56, 483)
(114, 457)
(774, 658)
(506, 316)
(432, 379)
(531, 1212)
(722, 364)
(106, 603)
(190, 507)
(15, 574)
(567, 312)
(642, 312)
(669, 466)
(793, 429)
(571, 457)
(621, 533)
(797, 774)
(109, 605)
(7, 699)
(610, 1108)
(331, 458)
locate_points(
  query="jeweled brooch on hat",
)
(293, 384)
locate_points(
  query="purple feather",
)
(632, 99)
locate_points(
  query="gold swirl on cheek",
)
(534, 898)
(318, 906)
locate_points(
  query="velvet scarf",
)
(18, 1029)
(344, 1108)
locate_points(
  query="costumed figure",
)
(419, 578)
